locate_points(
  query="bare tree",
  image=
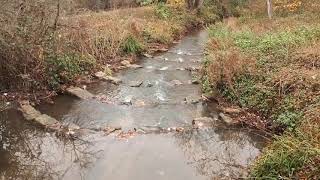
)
(198, 3)
(193, 4)
(269, 8)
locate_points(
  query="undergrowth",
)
(43, 49)
(265, 66)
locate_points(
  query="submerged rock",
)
(72, 127)
(192, 99)
(163, 68)
(127, 100)
(135, 83)
(193, 68)
(103, 98)
(139, 103)
(180, 60)
(149, 84)
(202, 121)
(150, 129)
(147, 55)
(176, 82)
(109, 130)
(80, 93)
(228, 120)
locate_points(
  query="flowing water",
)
(218, 152)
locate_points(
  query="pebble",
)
(135, 83)
(163, 68)
(176, 82)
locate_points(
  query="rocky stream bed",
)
(149, 121)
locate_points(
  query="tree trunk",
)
(269, 4)
(198, 3)
(190, 4)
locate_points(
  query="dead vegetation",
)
(46, 45)
(271, 67)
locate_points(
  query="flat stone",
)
(113, 80)
(228, 120)
(102, 75)
(148, 55)
(192, 100)
(31, 114)
(135, 83)
(80, 93)
(125, 63)
(134, 66)
(127, 100)
(163, 50)
(195, 81)
(150, 129)
(46, 120)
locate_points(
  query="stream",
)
(28, 151)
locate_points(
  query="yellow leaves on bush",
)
(176, 1)
(289, 5)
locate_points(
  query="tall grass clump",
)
(131, 45)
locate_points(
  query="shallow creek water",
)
(218, 152)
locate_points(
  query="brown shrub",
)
(23, 41)
(226, 63)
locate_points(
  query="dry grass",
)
(101, 35)
(272, 68)
(39, 55)
(226, 65)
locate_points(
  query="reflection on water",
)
(220, 152)
(217, 152)
(28, 152)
